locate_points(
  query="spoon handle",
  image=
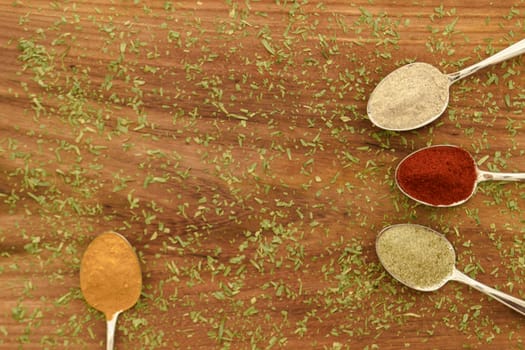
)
(110, 332)
(493, 176)
(505, 54)
(504, 298)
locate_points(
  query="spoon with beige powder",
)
(416, 94)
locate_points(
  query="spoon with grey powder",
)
(424, 259)
(416, 94)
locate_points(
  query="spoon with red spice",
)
(444, 176)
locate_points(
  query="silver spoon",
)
(461, 187)
(425, 96)
(404, 247)
(109, 266)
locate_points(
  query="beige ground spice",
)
(409, 97)
(415, 255)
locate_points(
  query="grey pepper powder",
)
(409, 97)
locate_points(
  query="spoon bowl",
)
(416, 94)
(424, 259)
(444, 176)
(409, 97)
(110, 278)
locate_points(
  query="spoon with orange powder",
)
(110, 278)
(444, 176)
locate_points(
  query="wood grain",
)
(228, 141)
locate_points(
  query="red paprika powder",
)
(438, 175)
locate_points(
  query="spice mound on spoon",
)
(444, 176)
(416, 94)
(424, 259)
(110, 278)
(409, 97)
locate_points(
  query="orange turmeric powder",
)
(110, 275)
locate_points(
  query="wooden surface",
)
(228, 141)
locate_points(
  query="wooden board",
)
(229, 142)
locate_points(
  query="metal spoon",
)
(433, 177)
(392, 121)
(420, 260)
(108, 256)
